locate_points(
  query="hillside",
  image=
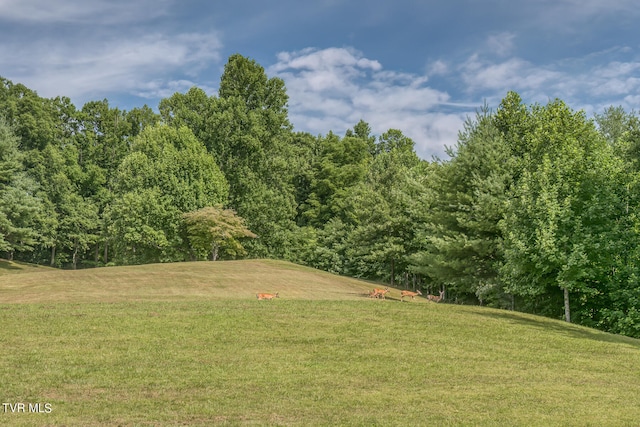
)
(189, 344)
(178, 281)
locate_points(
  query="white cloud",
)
(512, 74)
(501, 44)
(438, 68)
(581, 82)
(81, 11)
(84, 68)
(332, 89)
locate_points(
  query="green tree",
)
(214, 229)
(560, 228)
(385, 207)
(467, 198)
(250, 135)
(341, 163)
(192, 109)
(20, 210)
(32, 118)
(168, 173)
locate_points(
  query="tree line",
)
(537, 209)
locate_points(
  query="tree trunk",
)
(214, 252)
(75, 256)
(567, 311)
(53, 255)
(393, 271)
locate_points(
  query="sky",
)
(423, 67)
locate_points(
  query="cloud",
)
(84, 68)
(101, 48)
(438, 68)
(481, 75)
(81, 11)
(591, 82)
(501, 44)
(334, 88)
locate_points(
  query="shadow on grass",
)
(570, 329)
(8, 265)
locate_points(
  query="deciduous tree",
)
(213, 230)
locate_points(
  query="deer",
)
(409, 294)
(436, 298)
(378, 293)
(267, 296)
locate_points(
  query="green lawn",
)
(214, 355)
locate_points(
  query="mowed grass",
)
(214, 355)
(174, 282)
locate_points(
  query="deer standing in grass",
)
(376, 293)
(267, 296)
(409, 294)
(436, 298)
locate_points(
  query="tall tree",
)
(341, 164)
(385, 205)
(250, 135)
(33, 118)
(168, 173)
(20, 210)
(560, 228)
(467, 199)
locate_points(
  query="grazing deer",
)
(409, 294)
(377, 293)
(435, 298)
(267, 296)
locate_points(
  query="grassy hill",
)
(179, 281)
(189, 344)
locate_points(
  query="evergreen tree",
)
(468, 198)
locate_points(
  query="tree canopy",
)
(536, 209)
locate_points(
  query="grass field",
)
(189, 344)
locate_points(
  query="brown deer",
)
(267, 296)
(377, 293)
(409, 294)
(436, 298)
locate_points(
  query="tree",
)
(250, 135)
(168, 173)
(560, 227)
(384, 206)
(33, 118)
(341, 164)
(213, 229)
(192, 109)
(467, 198)
(20, 209)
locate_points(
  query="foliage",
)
(250, 135)
(168, 173)
(537, 209)
(20, 210)
(469, 197)
(212, 229)
(561, 227)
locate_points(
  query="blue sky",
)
(418, 66)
